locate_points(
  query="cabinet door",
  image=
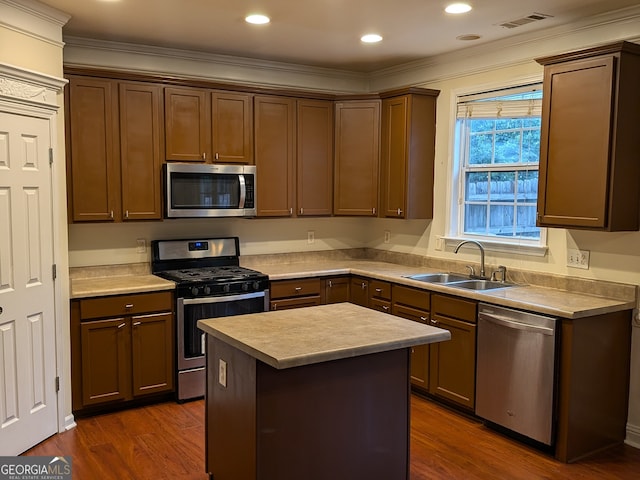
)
(106, 371)
(336, 290)
(288, 303)
(314, 157)
(274, 155)
(359, 291)
(93, 166)
(452, 364)
(419, 353)
(575, 132)
(408, 150)
(187, 124)
(357, 144)
(141, 153)
(232, 127)
(152, 353)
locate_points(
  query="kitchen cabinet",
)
(357, 157)
(122, 348)
(114, 132)
(314, 158)
(408, 151)
(336, 289)
(414, 304)
(285, 294)
(275, 155)
(589, 169)
(452, 364)
(380, 295)
(208, 125)
(359, 291)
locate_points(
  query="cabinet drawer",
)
(119, 305)
(295, 288)
(411, 297)
(381, 305)
(379, 289)
(410, 313)
(454, 307)
(287, 303)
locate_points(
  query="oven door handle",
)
(224, 298)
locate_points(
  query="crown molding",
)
(33, 19)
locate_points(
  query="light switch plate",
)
(222, 373)
(578, 258)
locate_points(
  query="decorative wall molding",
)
(28, 87)
(33, 19)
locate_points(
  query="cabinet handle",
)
(122, 325)
(291, 211)
(373, 210)
(434, 322)
(364, 285)
(385, 308)
(111, 214)
(424, 319)
(330, 286)
(399, 211)
(301, 210)
(126, 214)
(135, 324)
(274, 306)
(217, 156)
(378, 290)
(128, 306)
(297, 289)
(204, 156)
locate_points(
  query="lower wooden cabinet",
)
(359, 291)
(452, 364)
(336, 289)
(122, 348)
(296, 293)
(413, 304)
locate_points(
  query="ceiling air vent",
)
(518, 22)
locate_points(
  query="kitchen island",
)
(314, 393)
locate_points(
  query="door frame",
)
(29, 93)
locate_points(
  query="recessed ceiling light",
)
(257, 19)
(458, 8)
(468, 36)
(371, 38)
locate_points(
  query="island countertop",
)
(303, 336)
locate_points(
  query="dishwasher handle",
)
(510, 323)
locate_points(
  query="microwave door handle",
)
(243, 191)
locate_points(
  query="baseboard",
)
(69, 422)
(633, 436)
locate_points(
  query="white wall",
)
(614, 256)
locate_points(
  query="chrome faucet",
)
(479, 245)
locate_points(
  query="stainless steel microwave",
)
(206, 190)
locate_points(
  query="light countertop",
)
(303, 336)
(118, 285)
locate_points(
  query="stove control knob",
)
(194, 291)
(245, 287)
(256, 285)
(207, 290)
(226, 288)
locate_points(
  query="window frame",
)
(455, 217)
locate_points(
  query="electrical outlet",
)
(578, 258)
(141, 245)
(439, 243)
(311, 237)
(222, 373)
(387, 236)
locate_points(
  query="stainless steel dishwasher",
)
(515, 374)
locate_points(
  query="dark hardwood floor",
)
(166, 441)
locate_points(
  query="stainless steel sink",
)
(477, 284)
(438, 277)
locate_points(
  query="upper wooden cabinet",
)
(314, 159)
(408, 150)
(274, 155)
(589, 144)
(208, 125)
(114, 132)
(357, 154)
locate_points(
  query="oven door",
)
(191, 340)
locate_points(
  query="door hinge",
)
(54, 271)
(50, 156)
(57, 384)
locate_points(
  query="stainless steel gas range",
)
(210, 283)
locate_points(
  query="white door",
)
(28, 401)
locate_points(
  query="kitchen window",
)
(496, 167)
